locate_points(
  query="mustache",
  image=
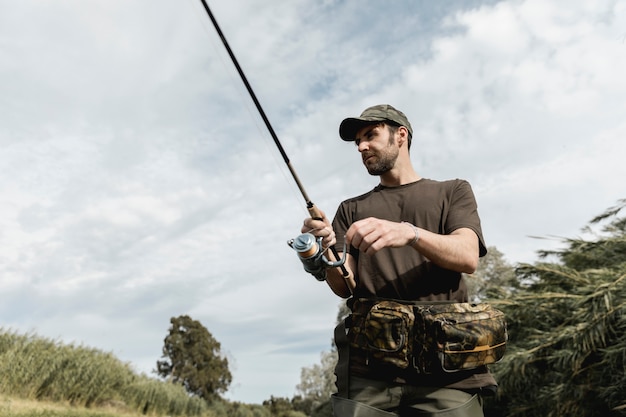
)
(366, 155)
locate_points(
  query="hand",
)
(320, 228)
(371, 235)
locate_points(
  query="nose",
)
(362, 146)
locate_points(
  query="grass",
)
(17, 407)
(41, 377)
(83, 381)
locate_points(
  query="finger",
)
(311, 225)
(329, 236)
(306, 225)
(368, 241)
(329, 241)
(369, 238)
(316, 227)
(349, 237)
(358, 231)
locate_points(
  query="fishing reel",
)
(311, 253)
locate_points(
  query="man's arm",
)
(457, 251)
(343, 286)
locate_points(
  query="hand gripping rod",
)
(313, 211)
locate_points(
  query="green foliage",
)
(193, 359)
(494, 278)
(317, 383)
(57, 413)
(150, 396)
(283, 407)
(247, 410)
(567, 327)
(44, 369)
(607, 249)
(41, 369)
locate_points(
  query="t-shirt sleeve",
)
(464, 213)
(341, 223)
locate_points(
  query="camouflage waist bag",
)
(427, 337)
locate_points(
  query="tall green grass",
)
(42, 369)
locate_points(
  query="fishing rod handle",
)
(315, 213)
(333, 255)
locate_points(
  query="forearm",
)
(341, 280)
(457, 251)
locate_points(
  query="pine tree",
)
(567, 328)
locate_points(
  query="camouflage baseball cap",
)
(379, 113)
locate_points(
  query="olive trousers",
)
(372, 398)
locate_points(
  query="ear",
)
(403, 136)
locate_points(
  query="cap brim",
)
(350, 126)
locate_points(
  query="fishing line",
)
(313, 211)
(245, 101)
(253, 96)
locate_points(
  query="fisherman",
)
(410, 238)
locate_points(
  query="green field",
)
(40, 377)
(43, 377)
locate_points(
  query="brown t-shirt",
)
(402, 273)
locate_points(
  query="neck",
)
(402, 171)
(399, 175)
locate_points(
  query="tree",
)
(567, 330)
(494, 278)
(282, 407)
(193, 359)
(317, 383)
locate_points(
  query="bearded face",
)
(378, 161)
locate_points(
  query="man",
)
(410, 238)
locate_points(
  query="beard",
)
(382, 161)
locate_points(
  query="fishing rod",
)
(309, 248)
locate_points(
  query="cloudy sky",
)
(138, 182)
